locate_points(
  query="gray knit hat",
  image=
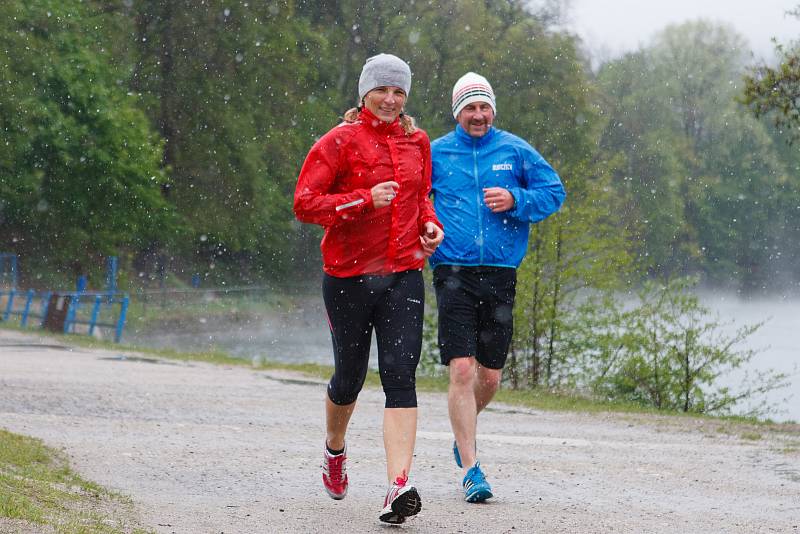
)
(384, 70)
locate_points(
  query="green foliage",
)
(233, 90)
(772, 91)
(666, 351)
(80, 171)
(575, 251)
(579, 248)
(703, 184)
(172, 132)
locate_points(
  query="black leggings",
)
(393, 306)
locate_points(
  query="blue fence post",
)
(83, 283)
(71, 311)
(112, 264)
(9, 305)
(123, 311)
(95, 312)
(24, 321)
(45, 305)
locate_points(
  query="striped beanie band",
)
(471, 88)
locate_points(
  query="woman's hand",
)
(383, 193)
(433, 236)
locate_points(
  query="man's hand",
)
(433, 236)
(498, 199)
(383, 193)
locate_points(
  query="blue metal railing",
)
(13, 296)
(76, 311)
(101, 299)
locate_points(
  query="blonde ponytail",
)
(351, 115)
(408, 123)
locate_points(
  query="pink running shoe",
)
(401, 501)
(334, 474)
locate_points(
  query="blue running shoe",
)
(456, 454)
(476, 489)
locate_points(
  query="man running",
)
(488, 187)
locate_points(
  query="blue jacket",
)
(462, 167)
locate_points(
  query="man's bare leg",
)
(472, 387)
(462, 407)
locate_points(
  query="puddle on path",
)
(124, 358)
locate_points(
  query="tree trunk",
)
(687, 374)
(533, 374)
(556, 303)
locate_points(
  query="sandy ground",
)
(207, 449)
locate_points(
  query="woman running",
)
(366, 182)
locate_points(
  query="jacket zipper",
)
(478, 195)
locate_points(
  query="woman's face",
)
(386, 103)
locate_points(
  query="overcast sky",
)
(612, 27)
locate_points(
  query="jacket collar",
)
(462, 135)
(386, 128)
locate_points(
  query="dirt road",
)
(206, 449)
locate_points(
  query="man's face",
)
(476, 118)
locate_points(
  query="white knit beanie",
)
(384, 70)
(471, 88)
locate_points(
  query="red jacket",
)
(333, 190)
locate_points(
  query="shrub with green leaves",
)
(666, 350)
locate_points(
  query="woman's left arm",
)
(426, 213)
(430, 229)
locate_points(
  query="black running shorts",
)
(475, 312)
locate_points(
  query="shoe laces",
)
(476, 473)
(335, 467)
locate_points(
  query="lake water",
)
(778, 343)
(299, 334)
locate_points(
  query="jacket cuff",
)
(516, 194)
(422, 221)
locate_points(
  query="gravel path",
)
(207, 449)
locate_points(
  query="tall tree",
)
(700, 175)
(775, 91)
(80, 168)
(232, 87)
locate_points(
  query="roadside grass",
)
(39, 490)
